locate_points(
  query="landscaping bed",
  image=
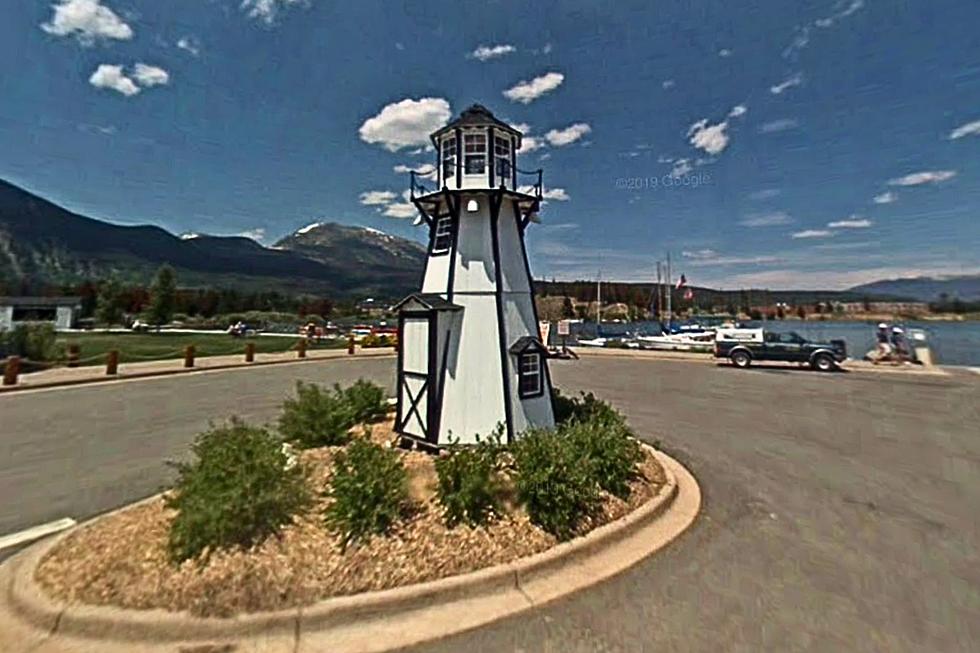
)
(127, 559)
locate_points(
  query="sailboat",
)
(598, 341)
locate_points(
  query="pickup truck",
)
(743, 346)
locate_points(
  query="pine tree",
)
(163, 296)
(108, 308)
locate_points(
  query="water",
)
(952, 343)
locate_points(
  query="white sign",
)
(564, 328)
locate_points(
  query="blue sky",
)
(811, 144)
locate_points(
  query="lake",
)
(952, 343)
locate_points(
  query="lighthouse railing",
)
(530, 182)
(415, 187)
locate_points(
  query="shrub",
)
(369, 490)
(239, 490)
(469, 485)
(317, 417)
(568, 409)
(552, 482)
(32, 340)
(366, 401)
(608, 449)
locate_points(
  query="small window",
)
(475, 153)
(501, 159)
(443, 238)
(449, 157)
(529, 373)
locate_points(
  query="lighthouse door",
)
(415, 383)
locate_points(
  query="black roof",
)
(430, 300)
(525, 343)
(476, 115)
(40, 301)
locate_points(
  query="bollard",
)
(11, 370)
(73, 351)
(350, 344)
(112, 362)
(249, 352)
(301, 349)
(189, 356)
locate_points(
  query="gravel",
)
(121, 560)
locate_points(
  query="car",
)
(744, 346)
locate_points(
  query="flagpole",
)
(670, 288)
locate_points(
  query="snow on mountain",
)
(308, 228)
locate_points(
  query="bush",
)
(608, 449)
(32, 340)
(568, 409)
(552, 482)
(239, 490)
(369, 490)
(317, 417)
(469, 486)
(366, 401)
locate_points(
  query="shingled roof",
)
(474, 116)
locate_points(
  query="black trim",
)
(491, 154)
(496, 200)
(454, 202)
(432, 410)
(513, 163)
(399, 374)
(520, 374)
(459, 158)
(437, 426)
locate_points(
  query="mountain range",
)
(42, 243)
(926, 289)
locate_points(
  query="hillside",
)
(926, 289)
(41, 242)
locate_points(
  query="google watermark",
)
(666, 181)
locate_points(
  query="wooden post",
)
(112, 362)
(11, 370)
(73, 352)
(350, 344)
(301, 349)
(249, 352)
(189, 356)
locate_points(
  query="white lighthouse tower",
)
(470, 357)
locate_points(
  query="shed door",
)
(416, 382)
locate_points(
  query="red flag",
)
(681, 282)
(688, 293)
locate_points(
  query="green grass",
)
(138, 347)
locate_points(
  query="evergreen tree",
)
(109, 305)
(163, 296)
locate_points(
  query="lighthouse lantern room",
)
(470, 356)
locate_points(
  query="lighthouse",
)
(470, 355)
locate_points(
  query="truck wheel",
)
(741, 359)
(824, 363)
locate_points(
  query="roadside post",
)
(249, 352)
(73, 354)
(350, 345)
(564, 328)
(112, 362)
(301, 349)
(189, 356)
(11, 370)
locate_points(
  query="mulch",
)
(121, 560)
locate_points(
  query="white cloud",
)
(969, 129)
(885, 198)
(267, 10)
(843, 9)
(407, 123)
(773, 219)
(148, 76)
(813, 233)
(667, 83)
(113, 77)
(557, 194)
(789, 82)
(764, 194)
(568, 135)
(88, 21)
(700, 254)
(257, 234)
(710, 138)
(680, 168)
(738, 110)
(377, 197)
(400, 210)
(854, 222)
(487, 52)
(724, 52)
(529, 144)
(526, 92)
(779, 125)
(189, 44)
(424, 171)
(924, 177)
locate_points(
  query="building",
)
(471, 357)
(893, 308)
(62, 312)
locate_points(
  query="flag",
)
(681, 282)
(688, 294)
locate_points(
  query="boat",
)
(702, 342)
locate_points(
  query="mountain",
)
(926, 289)
(41, 242)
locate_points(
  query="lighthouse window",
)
(449, 157)
(529, 372)
(501, 155)
(443, 238)
(475, 153)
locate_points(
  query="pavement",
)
(840, 510)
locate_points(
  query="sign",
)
(564, 328)
(545, 328)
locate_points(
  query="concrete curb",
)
(138, 375)
(372, 621)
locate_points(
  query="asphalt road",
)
(841, 511)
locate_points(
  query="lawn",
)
(136, 347)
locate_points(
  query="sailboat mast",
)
(669, 289)
(598, 298)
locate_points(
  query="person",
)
(884, 345)
(900, 344)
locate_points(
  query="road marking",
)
(36, 532)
